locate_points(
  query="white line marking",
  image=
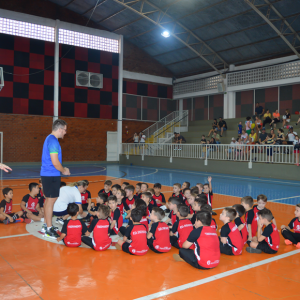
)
(215, 277)
(12, 236)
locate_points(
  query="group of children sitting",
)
(185, 222)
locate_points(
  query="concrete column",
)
(229, 100)
(120, 93)
(56, 71)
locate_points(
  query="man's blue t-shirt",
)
(51, 145)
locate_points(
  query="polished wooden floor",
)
(33, 268)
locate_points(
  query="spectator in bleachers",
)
(244, 137)
(252, 137)
(216, 136)
(212, 142)
(263, 136)
(259, 111)
(296, 149)
(291, 136)
(280, 137)
(231, 149)
(258, 124)
(286, 118)
(267, 118)
(273, 134)
(214, 126)
(276, 119)
(248, 124)
(222, 126)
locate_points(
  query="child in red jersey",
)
(158, 196)
(152, 200)
(184, 186)
(206, 207)
(286, 231)
(138, 188)
(176, 192)
(207, 190)
(190, 202)
(267, 240)
(6, 214)
(187, 194)
(100, 227)
(231, 242)
(121, 202)
(198, 203)
(115, 216)
(114, 189)
(107, 187)
(144, 187)
(30, 204)
(200, 187)
(247, 202)
(173, 203)
(135, 240)
(147, 197)
(206, 253)
(73, 229)
(240, 222)
(100, 200)
(86, 197)
(181, 228)
(158, 238)
(130, 198)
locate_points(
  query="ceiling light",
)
(165, 34)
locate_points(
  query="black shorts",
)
(264, 247)
(151, 247)
(85, 206)
(51, 186)
(24, 216)
(125, 248)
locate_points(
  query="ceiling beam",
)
(280, 32)
(157, 22)
(92, 8)
(69, 3)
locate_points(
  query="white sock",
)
(42, 220)
(48, 228)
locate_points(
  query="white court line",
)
(12, 236)
(216, 277)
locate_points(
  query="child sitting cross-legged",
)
(158, 238)
(286, 231)
(198, 203)
(100, 227)
(72, 229)
(173, 203)
(231, 242)
(6, 214)
(267, 240)
(240, 222)
(181, 228)
(213, 224)
(206, 253)
(135, 240)
(115, 215)
(93, 211)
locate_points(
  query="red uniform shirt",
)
(213, 224)
(101, 239)
(7, 206)
(161, 198)
(244, 232)
(85, 196)
(182, 229)
(295, 225)
(138, 235)
(73, 229)
(161, 236)
(130, 202)
(30, 202)
(116, 216)
(172, 216)
(209, 197)
(272, 236)
(207, 246)
(121, 207)
(109, 193)
(234, 237)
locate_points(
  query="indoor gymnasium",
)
(149, 149)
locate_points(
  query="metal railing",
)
(279, 154)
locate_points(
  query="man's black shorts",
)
(51, 186)
(264, 247)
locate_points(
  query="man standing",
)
(51, 173)
(259, 111)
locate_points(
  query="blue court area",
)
(281, 191)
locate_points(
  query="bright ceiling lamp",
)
(165, 34)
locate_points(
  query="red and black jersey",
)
(73, 229)
(161, 236)
(182, 194)
(109, 193)
(249, 218)
(85, 196)
(213, 224)
(179, 196)
(209, 197)
(101, 239)
(173, 217)
(272, 236)
(42, 201)
(139, 195)
(40, 194)
(207, 246)
(294, 224)
(7, 206)
(143, 221)
(130, 202)
(137, 233)
(234, 237)
(116, 216)
(182, 229)
(161, 198)
(122, 206)
(152, 201)
(30, 202)
(244, 232)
